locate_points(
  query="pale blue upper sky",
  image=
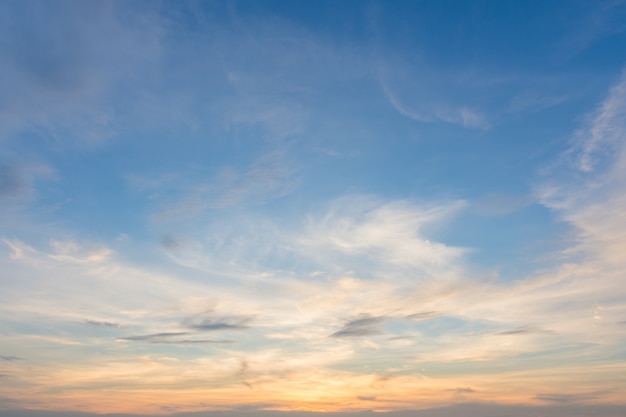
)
(381, 189)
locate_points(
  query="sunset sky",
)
(263, 208)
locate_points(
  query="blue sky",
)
(312, 206)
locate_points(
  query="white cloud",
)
(425, 106)
(606, 130)
(389, 233)
(593, 200)
(69, 251)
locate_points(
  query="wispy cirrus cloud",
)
(420, 103)
(605, 131)
(271, 176)
(390, 233)
(592, 204)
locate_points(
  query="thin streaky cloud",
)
(105, 324)
(363, 325)
(154, 336)
(10, 358)
(171, 338)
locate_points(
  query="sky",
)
(272, 208)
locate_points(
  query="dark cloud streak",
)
(10, 358)
(218, 323)
(364, 325)
(522, 330)
(96, 323)
(422, 316)
(559, 398)
(170, 339)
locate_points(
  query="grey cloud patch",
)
(521, 330)
(366, 397)
(364, 325)
(422, 316)
(154, 336)
(244, 367)
(170, 243)
(400, 338)
(465, 390)
(11, 183)
(170, 339)
(17, 180)
(194, 342)
(558, 398)
(97, 323)
(218, 323)
(10, 358)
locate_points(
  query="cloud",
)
(425, 315)
(284, 280)
(270, 176)
(70, 252)
(363, 325)
(97, 323)
(10, 181)
(389, 233)
(606, 130)
(591, 196)
(10, 358)
(521, 330)
(569, 398)
(597, 23)
(18, 249)
(170, 339)
(423, 103)
(223, 323)
(154, 336)
(18, 180)
(465, 390)
(171, 243)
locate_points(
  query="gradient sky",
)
(256, 207)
